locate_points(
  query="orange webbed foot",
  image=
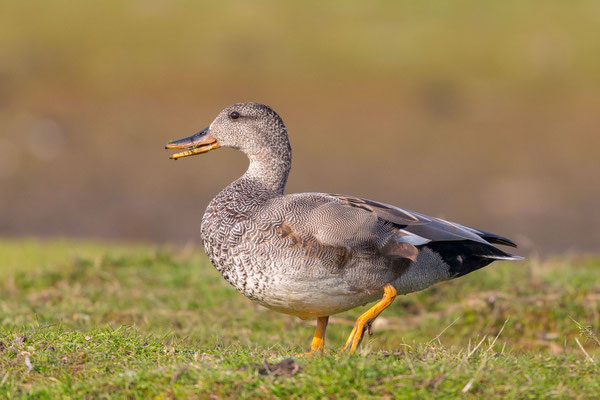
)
(365, 321)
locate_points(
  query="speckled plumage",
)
(316, 254)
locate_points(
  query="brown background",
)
(486, 113)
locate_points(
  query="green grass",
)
(132, 321)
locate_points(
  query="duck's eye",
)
(234, 115)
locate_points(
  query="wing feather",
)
(356, 223)
(387, 212)
(419, 229)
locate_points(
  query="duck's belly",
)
(328, 295)
(298, 287)
(315, 300)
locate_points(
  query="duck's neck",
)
(270, 169)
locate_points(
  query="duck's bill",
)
(198, 143)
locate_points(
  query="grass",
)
(99, 320)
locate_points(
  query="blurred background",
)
(486, 113)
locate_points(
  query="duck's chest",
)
(237, 242)
(225, 224)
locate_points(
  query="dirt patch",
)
(285, 368)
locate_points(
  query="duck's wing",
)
(420, 229)
(462, 247)
(387, 212)
(440, 230)
(332, 223)
(366, 228)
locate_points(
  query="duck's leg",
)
(364, 321)
(318, 342)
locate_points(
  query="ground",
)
(106, 320)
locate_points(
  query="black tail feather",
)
(496, 239)
(466, 256)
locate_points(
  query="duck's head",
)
(252, 128)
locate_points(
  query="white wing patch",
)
(507, 258)
(413, 239)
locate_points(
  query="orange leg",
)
(364, 321)
(318, 342)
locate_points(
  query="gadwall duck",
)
(316, 254)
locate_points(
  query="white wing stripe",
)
(413, 239)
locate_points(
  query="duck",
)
(313, 255)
